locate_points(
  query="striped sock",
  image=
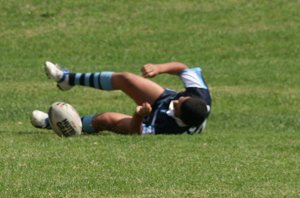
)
(98, 80)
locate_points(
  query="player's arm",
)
(140, 112)
(151, 70)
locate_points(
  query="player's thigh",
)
(138, 88)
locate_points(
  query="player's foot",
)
(61, 76)
(40, 119)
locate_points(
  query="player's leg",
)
(115, 122)
(138, 88)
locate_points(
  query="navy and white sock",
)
(98, 80)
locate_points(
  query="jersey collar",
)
(171, 113)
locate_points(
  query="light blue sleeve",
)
(193, 77)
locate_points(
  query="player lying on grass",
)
(159, 110)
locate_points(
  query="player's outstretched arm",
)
(151, 70)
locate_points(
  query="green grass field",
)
(250, 55)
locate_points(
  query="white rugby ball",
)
(64, 119)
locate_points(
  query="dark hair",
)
(193, 111)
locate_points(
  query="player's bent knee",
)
(127, 76)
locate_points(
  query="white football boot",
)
(61, 76)
(39, 119)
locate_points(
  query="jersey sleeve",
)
(195, 85)
(192, 77)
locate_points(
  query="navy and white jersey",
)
(162, 121)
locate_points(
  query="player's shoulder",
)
(194, 69)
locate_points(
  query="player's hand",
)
(144, 110)
(149, 70)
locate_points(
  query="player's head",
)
(193, 111)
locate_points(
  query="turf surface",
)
(249, 53)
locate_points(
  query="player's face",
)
(177, 104)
